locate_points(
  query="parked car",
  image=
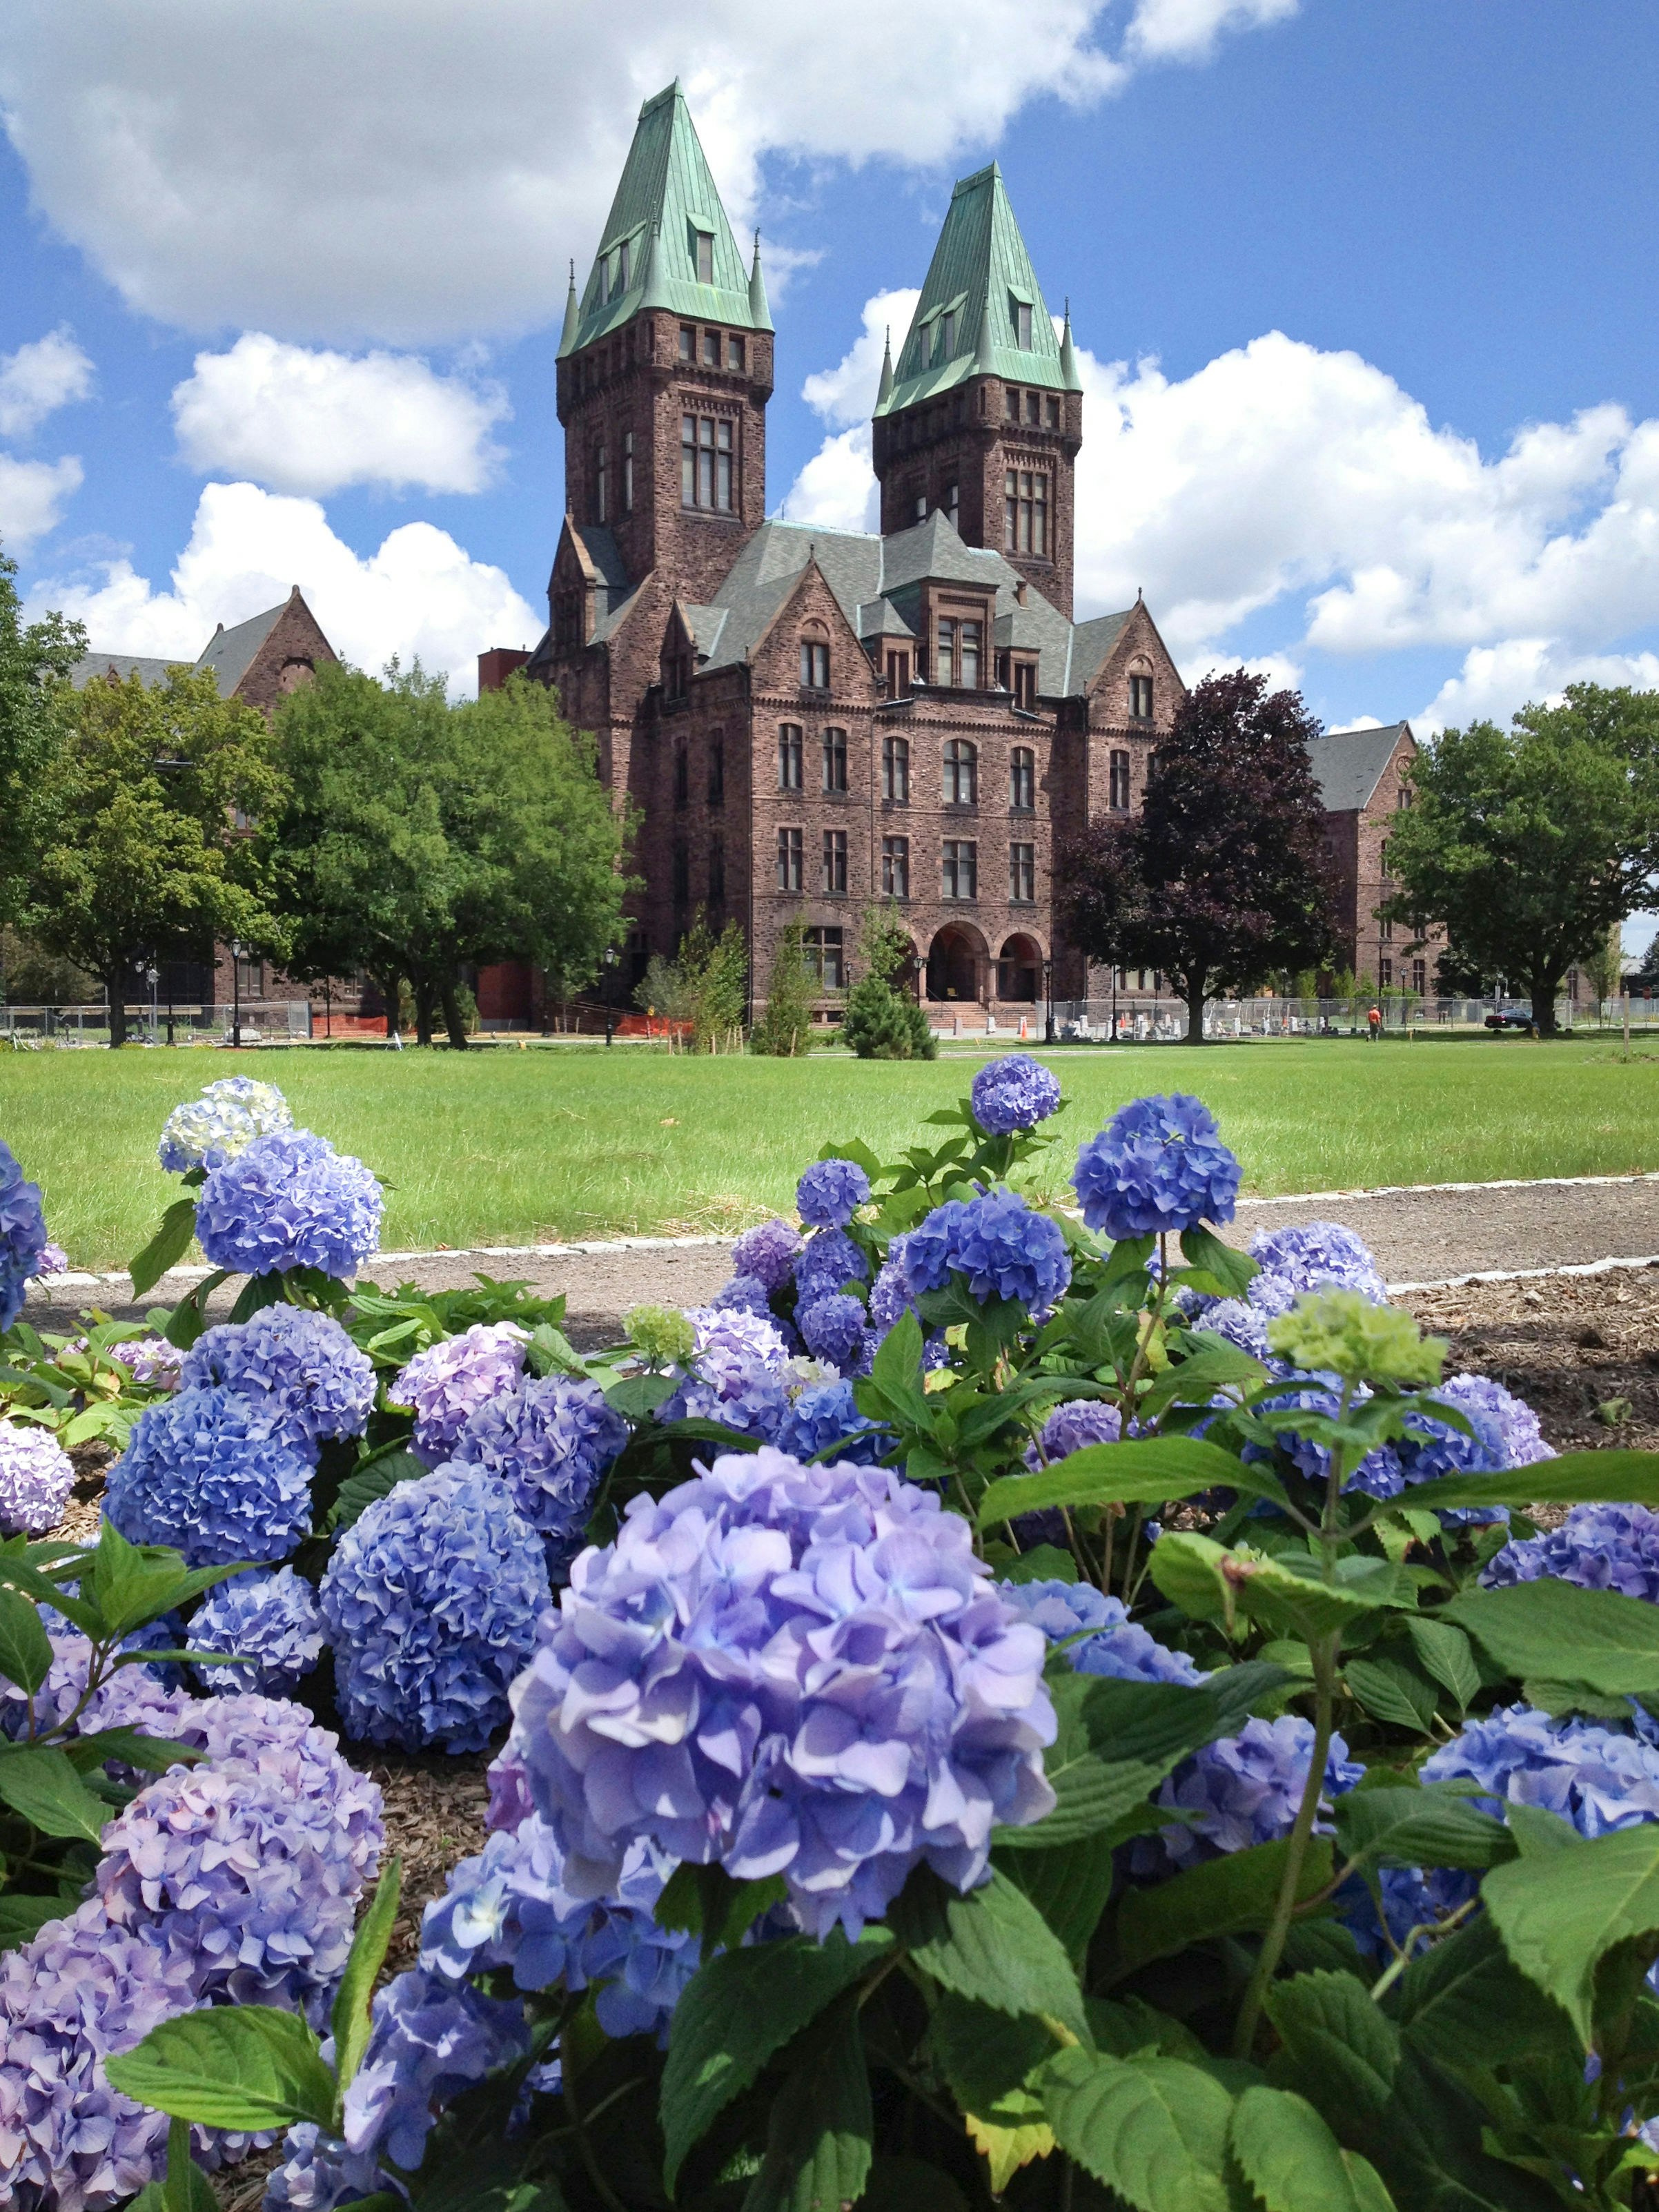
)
(1510, 1021)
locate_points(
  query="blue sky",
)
(1372, 394)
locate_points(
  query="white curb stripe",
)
(1523, 1274)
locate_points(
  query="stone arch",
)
(957, 961)
(1019, 969)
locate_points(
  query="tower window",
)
(1025, 683)
(789, 757)
(688, 342)
(682, 875)
(959, 869)
(1021, 780)
(736, 353)
(628, 471)
(711, 349)
(599, 485)
(789, 860)
(681, 775)
(835, 760)
(947, 337)
(1051, 413)
(706, 454)
(717, 874)
(702, 254)
(961, 773)
(952, 500)
(1140, 698)
(619, 270)
(814, 664)
(1033, 404)
(895, 770)
(1010, 403)
(1118, 793)
(834, 860)
(1020, 316)
(1025, 512)
(971, 633)
(921, 506)
(717, 770)
(1022, 875)
(895, 868)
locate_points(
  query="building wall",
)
(1383, 956)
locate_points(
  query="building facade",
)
(1364, 778)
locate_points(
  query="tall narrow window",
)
(961, 773)
(1021, 318)
(1385, 975)
(682, 775)
(898, 675)
(1120, 783)
(921, 506)
(1010, 403)
(895, 770)
(628, 471)
(834, 860)
(789, 860)
(789, 763)
(1025, 683)
(953, 503)
(947, 650)
(814, 664)
(959, 870)
(1419, 975)
(706, 462)
(1140, 698)
(1021, 780)
(688, 460)
(702, 254)
(1022, 875)
(835, 760)
(895, 868)
(688, 342)
(600, 485)
(826, 956)
(723, 467)
(717, 872)
(947, 337)
(711, 349)
(717, 770)
(968, 676)
(736, 353)
(682, 875)
(1039, 515)
(1051, 414)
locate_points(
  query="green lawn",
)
(510, 1147)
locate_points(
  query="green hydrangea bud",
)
(662, 1332)
(1341, 1333)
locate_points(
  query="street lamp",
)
(609, 959)
(1049, 1001)
(152, 977)
(237, 954)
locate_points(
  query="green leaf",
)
(1228, 1896)
(1043, 1563)
(1293, 2161)
(897, 1371)
(992, 1945)
(1288, 1593)
(1535, 1628)
(153, 1753)
(1069, 1886)
(1614, 1477)
(1145, 1471)
(819, 2137)
(910, 2185)
(39, 1782)
(987, 2058)
(349, 2018)
(189, 1318)
(704, 1900)
(1200, 1247)
(166, 1248)
(25, 1647)
(1464, 1994)
(256, 1293)
(736, 2012)
(636, 1397)
(359, 1492)
(1444, 1652)
(1391, 1692)
(232, 2066)
(1432, 1827)
(22, 1919)
(1216, 1366)
(1117, 1740)
(1152, 2130)
(1560, 1912)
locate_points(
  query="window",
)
(676, 675)
(687, 458)
(899, 678)
(705, 450)
(960, 872)
(702, 254)
(789, 757)
(971, 634)
(960, 651)
(835, 760)
(947, 337)
(1119, 799)
(682, 775)
(568, 620)
(826, 956)
(717, 874)
(711, 349)
(895, 868)
(895, 771)
(789, 860)
(946, 666)
(1140, 698)
(736, 353)
(814, 664)
(628, 471)
(1385, 975)
(921, 506)
(1025, 683)
(1051, 414)
(952, 500)
(1020, 316)
(1010, 403)
(1385, 931)
(619, 270)
(1419, 975)
(1022, 875)
(1025, 512)
(1033, 406)
(717, 770)
(1021, 780)
(599, 486)
(682, 875)
(834, 860)
(688, 342)
(961, 773)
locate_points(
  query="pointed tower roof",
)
(979, 279)
(884, 389)
(1073, 382)
(648, 255)
(759, 314)
(572, 316)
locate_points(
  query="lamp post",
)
(1048, 1002)
(609, 959)
(237, 954)
(1114, 1006)
(152, 976)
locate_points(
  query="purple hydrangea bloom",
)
(1159, 1165)
(290, 1200)
(744, 1294)
(205, 1471)
(1014, 1092)
(1114, 1645)
(738, 1375)
(1379, 1474)
(320, 2173)
(767, 1252)
(997, 1243)
(280, 1743)
(429, 2040)
(1069, 1427)
(833, 1330)
(150, 1360)
(447, 1382)
(1240, 1323)
(54, 1260)
(826, 1414)
(1244, 1789)
(826, 1263)
(270, 1620)
(799, 1671)
(548, 1442)
(23, 1237)
(132, 1697)
(223, 1122)
(1613, 1548)
(510, 1803)
(889, 1298)
(831, 1192)
(299, 1366)
(429, 1604)
(1318, 1256)
(36, 1477)
(1506, 1435)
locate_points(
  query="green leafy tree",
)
(420, 837)
(140, 854)
(714, 973)
(1532, 843)
(882, 1020)
(35, 658)
(785, 1029)
(1223, 876)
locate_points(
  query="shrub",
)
(882, 1023)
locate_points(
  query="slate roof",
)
(1350, 764)
(124, 665)
(229, 653)
(597, 545)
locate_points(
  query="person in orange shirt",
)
(1374, 1023)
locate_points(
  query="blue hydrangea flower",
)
(789, 1670)
(1613, 1548)
(429, 1604)
(23, 1237)
(548, 1442)
(997, 1243)
(207, 1473)
(132, 1697)
(1070, 1427)
(1379, 1474)
(1244, 1789)
(744, 1294)
(738, 1375)
(1239, 1322)
(447, 1382)
(223, 1121)
(826, 1414)
(832, 1329)
(290, 1200)
(429, 2039)
(1318, 1256)
(270, 1620)
(1506, 1435)
(826, 1263)
(1115, 1644)
(889, 1298)
(299, 1366)
(1159, 1166)
(1014, 1092)
(150, 1360)
(36, 1477)
(767, 1253)
(831, 1192)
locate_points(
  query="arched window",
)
(1022, 778)
(961, 773)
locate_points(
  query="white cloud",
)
(837, 488)
(301, 421)
(335, 169)
(1495, 680)
(846, 393)
(38, 377)
(32, 497)
(419, 594)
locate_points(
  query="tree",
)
(882, 1020)
(420, 837)
(33, 661)
(785, 1028)
(141, 854)
(715, 974)
(1224, 875)
(1531, 843)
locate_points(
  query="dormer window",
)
(618, 266)
(947, 337)
(702, 254)
(814, 664)
(1140, 698)
(1019, 315)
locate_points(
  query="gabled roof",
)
(229, 653)
(1349, 765)
(881, 618)
(980, 273)
(122, 665)
(666, 195)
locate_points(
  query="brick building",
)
(1362, 777)
(810, 720)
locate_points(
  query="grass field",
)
(499, 1147)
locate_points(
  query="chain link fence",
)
(263, 1021)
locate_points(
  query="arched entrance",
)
(1019, 970)
(953, 963)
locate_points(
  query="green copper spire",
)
(982, 311)
(760, 315)
(1068, 356)
(884, 389)
(572, 316)
(666, 242)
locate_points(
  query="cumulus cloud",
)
(330, 170)
(32, 494)
(420, 594)
(1495, 680)
(39, 378)
(303, 421)
(836, 490)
